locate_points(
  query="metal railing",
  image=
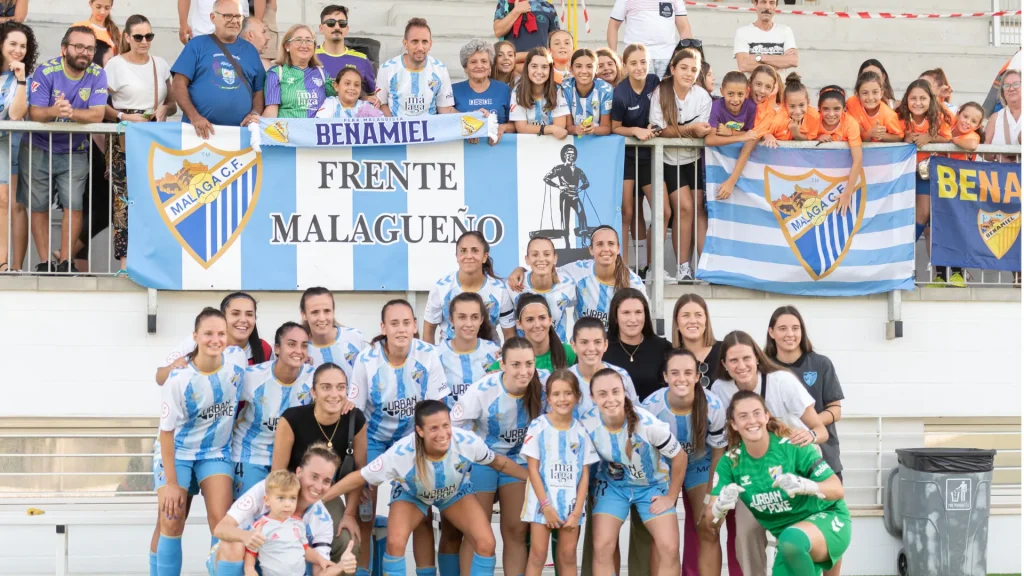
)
(1005, 29)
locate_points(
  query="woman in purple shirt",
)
(297, 86)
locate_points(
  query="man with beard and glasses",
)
(765, 41)
(415, 83)
(334, 55)
(206, 83)
(69, 88)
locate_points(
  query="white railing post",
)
(996, 25)
(657, 263)
(894, 326)
(61, 558)
(878, 462)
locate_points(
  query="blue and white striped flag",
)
(781, 231)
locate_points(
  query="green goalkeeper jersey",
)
(772, 508)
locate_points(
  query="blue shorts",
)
(923, 187)
(194, 471)
(698, 471)
(615, 499)
(375, 448)
(10, 144)
(487, 479)
(247, 476)
(400, 494)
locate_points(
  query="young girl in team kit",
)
(558, 455)
(878, 122)
(538, 106)
(390, 377)
(765, 92)
(543, 279)
(589, 98)
(500, 407)
(924, 122)
(697, 418)
(267, 390)
(429, 468)
(596, 279)
(838, 126)
(635, 449)
(798, 120)
(590, 342)
(349, 87)
(475, 274)
(467, 356)
(789, 489)
(196, 416)
(329, 340)
(966, 132)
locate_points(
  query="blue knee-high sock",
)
(918, 230)
(168, 556)
(393, 565)
(448, 564)
(152, 564)
(360, 571)
(428, 571)
(225, 568)
(483, 565)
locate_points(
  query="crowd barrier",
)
(92, 247)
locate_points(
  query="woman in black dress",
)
(691, 330)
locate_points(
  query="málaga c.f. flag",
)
(781, 230)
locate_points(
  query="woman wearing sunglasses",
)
(140, 91)
(693, 332)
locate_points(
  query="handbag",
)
(156, 102)
(349, 464)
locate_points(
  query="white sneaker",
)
(685, 275)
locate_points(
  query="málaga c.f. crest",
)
(204, 195)
(999, 230)
(806, 207)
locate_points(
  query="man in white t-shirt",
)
(657, 24)
(194, 20)
(415, 83)
(765, 41)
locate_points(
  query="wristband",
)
(22, 82)
(814, 435)
(542, 129)
(544, 503)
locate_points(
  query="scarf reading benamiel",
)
(391, 131)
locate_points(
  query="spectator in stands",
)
(525, 23)
(706, 79)
(1004, 127)
(69, 88)
(538, 106)
(266, 12)
(334, 55)
(140, 91)
(561, 45)
(18, 53)
(479, 91)
(610, 67)
(415, 70)
(193, 20)
(255, 32)
(13, 10)
(297, 86)
(589, 98)
(349, 86)
(872, 65)
(657, 24)
(942, 90)
(206, 83)
(102, 24)
(878, 122)
(504, 69)
(765, 41)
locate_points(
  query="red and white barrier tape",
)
(857, 15)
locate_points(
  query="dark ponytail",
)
(122, 44)
(486, 331)
(424, 409)
(112, 30)
(794, 86)
(255, 343)
(559, 360)
(699, 411)
(632, 420)
(532, 398)
(207, 312)
(488, 265)
(383, 313)
(284, 328)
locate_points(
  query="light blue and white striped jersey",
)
(388, 394)
(594, 105)
(593, 297)
(414, 92)
(585, 403)
(494, 293)
(652, 441)
(561, 455)
(559, 297)
(316, 519)
(186, 346)
(462, 370)
(266, 398)
(682, 427)
(498, 417)
(200, 408)
(348, 343)
(442, 477)
(538, 115)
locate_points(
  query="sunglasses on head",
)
(704, 380)
(140, 37)
(332, 22)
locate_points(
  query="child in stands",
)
(798, 120)
(878, 122)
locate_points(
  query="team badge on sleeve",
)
(457, 411)
(377, 465)
(165, 410)
(353, 391)
(244, 503)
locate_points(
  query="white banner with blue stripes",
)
(216, 215)
(781, 230)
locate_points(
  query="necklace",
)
(633, 353)
(330, 440)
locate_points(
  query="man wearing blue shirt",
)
(480, 92)
(206, 84)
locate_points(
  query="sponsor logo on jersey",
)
(744, 480)
(602, 316)
(821, 469)
(271, 423)
(837, 524)
(439, 493)
(226, 408)
(514, 436)
(563, 473)
(401, 408)
(771, 502)
(458, 390)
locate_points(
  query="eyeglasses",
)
(140, 37)
(704, 380)
(331, 23)
(83, 48)
(1012, 86)
(230, 17)
(301, 41)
